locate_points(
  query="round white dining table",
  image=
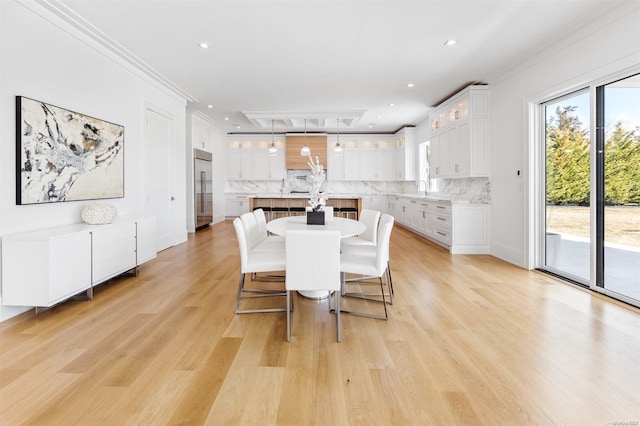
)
(347, 228)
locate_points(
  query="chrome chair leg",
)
(258, 293)
(288, 316)
(338, 333)
(363, 314)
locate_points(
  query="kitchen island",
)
(291, 204)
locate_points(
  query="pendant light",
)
(337, 150)
(305, 149)
(273, 151)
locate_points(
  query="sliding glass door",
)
(592, 188)
(618, 188)
(567, 186)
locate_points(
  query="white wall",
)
(605, 46)
(44, 59)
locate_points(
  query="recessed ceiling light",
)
(392, 104)
(371, 125)
(378, 117)
(237, 126)
(203, 45)
(209, 106)
(410, 84)
(226, 119)
(450, 42)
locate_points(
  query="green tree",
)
(567, 159)
(622, 167)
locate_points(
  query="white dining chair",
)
(256, 261)
(369, 218)
(370, 263)
(328, 213)
(259, 241)
(263, 235)
(313, 263)
(257, 234)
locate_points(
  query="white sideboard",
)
(44, 267)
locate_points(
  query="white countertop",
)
(298, 195)
(447, 198)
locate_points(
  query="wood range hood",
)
(295, 142)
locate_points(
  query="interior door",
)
(159, 147)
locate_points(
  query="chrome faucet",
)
(282, 186)
(426, 187)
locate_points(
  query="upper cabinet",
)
(364, 158)
(248, 157)
(404, 153)
(460, 135)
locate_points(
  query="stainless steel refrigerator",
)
(203, 171)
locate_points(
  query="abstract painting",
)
(62, 155)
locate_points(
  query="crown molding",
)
(84, 31)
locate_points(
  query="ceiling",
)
(325, 63)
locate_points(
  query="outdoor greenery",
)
(568, 161)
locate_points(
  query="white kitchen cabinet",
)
(460, 134)
(459, 227)
(375, 202)
(403, 211)
(379, 203)
(424, 224)
(390, 207)
(440, 219)
(440, 155)
(404, 153)
(344, 167)
(413, 218)
(376, 158)
(470, 228)
(351, 158)
(240, 159)
(44, 267)
(364, 158)
(237, 205)
(266, 166)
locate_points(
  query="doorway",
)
(592, 188)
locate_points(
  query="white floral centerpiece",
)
(316, 179)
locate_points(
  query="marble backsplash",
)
(472, 188)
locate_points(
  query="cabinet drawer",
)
(113, 258)
(440, 219)
(440, 208)
(442, 234)
(102, 237)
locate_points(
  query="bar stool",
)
(349, 212)
(277, 212)
(297, 211)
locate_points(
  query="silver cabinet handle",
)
(203, 176)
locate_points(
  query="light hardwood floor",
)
(470, 340)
